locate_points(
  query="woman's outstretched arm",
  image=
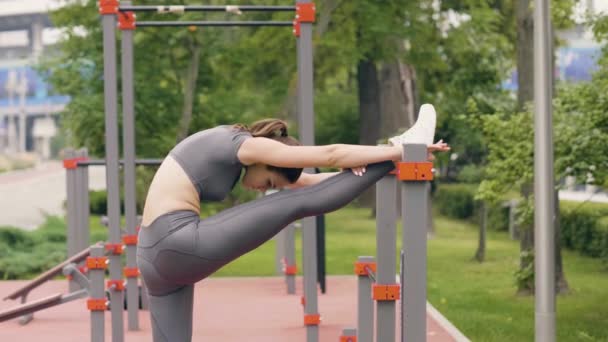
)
(270, 152)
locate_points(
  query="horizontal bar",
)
(209, 8)
(211, 23)
(100, 162)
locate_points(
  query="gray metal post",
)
(544, 213)
(83, 199)
(386, 249)
(96, 280)
(290, 256)
(307, 137)
(279, 255)
(128, 131)
(72, 223)
(365, 304)
(413, 208)
(112, 173)
(349, 335)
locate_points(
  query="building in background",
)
(29, 112)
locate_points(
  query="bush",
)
(584, 228)
(456, 200)
(470, 174)
(98, 202)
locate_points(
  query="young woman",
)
(177, 248)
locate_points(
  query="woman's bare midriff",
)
(170, 190)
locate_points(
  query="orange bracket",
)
(97, 304)
(126, 21)
(386, 292)
(129, 240)
(72, 163)
(97, 263)
(305, 12)
(312, 319)
(131, 272)
(117, 285)
(108, 6)
(363, 268)
(303, 300)
(291, 269)
(115, 248)
(296, 28)
(348, 338)
(415, 171)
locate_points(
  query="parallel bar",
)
(72, 224)
(386, 249)
(365, 305)
(306, 121)
(290, 255)
(414, 208)
(128, 133)
(101, 162)
(96, 279)
(212, 23)
(544, 213)
(112, 172)
(209, 8)
(83, 229)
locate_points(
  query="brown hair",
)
(275, 129)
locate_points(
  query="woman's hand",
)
(439, 146)
(357, 171)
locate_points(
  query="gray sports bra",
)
(209, 158)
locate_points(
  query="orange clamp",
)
(312, 319)
(131, 272)
(291, 269)
(348, 338)
(415, 171)
(72, 163)
(382, 292)
(363, 268)
(97, 263)
(129, 240)
(108, 6)
(117, 285)
(296, 28)
(115, 248)
(303, 300)
(126, 21)
(97, 304)
(305, 12)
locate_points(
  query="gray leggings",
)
(178, 248)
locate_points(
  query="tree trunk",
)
(561, 283)
(525, 52)
(480, 254)
(189, 90)
(369, 115)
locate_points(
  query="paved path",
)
(225, 309)
(28, 196)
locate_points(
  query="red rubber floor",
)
(225, 309)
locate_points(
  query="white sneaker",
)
(423, 130)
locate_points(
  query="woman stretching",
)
(177, 248)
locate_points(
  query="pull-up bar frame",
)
(208, 8)
(212, 23)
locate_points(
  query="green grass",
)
(480, 299)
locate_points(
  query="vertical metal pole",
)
(96, 278)
(111, 141)
(83, 188)
(544, 213)
(307, 137)
(290, 256)
(414, 208)
(72, 224)
(365, 305)
(77, 191)
(128, 126)
(386, 237)
(279, 255)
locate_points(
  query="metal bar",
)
(112, 173)
(72, 225)
(212, 23)
(78, 209)
(101, 162)
(96, 279)
(290, 256)
(365, 305)
(321, 272)
(386, 249)
(128, 134)
(413, 213)
(306, 121)
(544, 213)
(209, 8)
(83, 187)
